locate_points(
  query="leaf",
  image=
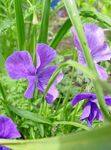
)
(43, 35)
(96, 139)
(20, 24)
(75, 124)
(60, 34)
(29, 115)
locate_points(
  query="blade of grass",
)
(96, 139)
(60, 34)
(43, 35)
(75, 124)
(20, 24)
(75, 19)
(29, 115)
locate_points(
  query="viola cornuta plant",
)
(45, 102)
(20, 65)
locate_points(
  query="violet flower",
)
(91, 110)
(8, 130)
(19, 65)
(99, 49)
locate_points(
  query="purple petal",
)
(93, 114)
(108, 100)
(86, 111)
(99, 115)
(45, 55)
(96, 42)
(95, 37)
(81, 58)
(19, 65)
(4, 148)
(76, 40)
(43, 79)
(101, 72)
(8, 129)
(52, 95)
(103, 54)
(82, 96)
(30, 89)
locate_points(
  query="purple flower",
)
(91, 110)
(19, 65)
(99, 49)
(8, 130)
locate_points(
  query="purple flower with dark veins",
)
(8, 130)
(20, 65)
(99, 49)
(91, 110)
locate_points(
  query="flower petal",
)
(30, 89)
(95, 37)
(86, 111)
(43, 79)
(82, 96)
(99, 115)
(93, 114)
(96, 42)
(103, 54)
(108, 100)
(8, 129)
(45, 55)
(4, 148)
(81, 58)
(101, 72)
(19, 65)
(52, 93)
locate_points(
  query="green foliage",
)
(35, 119)
(98, 139)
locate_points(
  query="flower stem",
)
(76, 22)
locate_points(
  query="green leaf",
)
(29, 115)
(20, 24)
(43, 35)
(75, 124)
(60, 34)
(96, 16)
(96, 139)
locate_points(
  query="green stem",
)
(45, 22)
(20, 24)
(75, 19)
(34, 37)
